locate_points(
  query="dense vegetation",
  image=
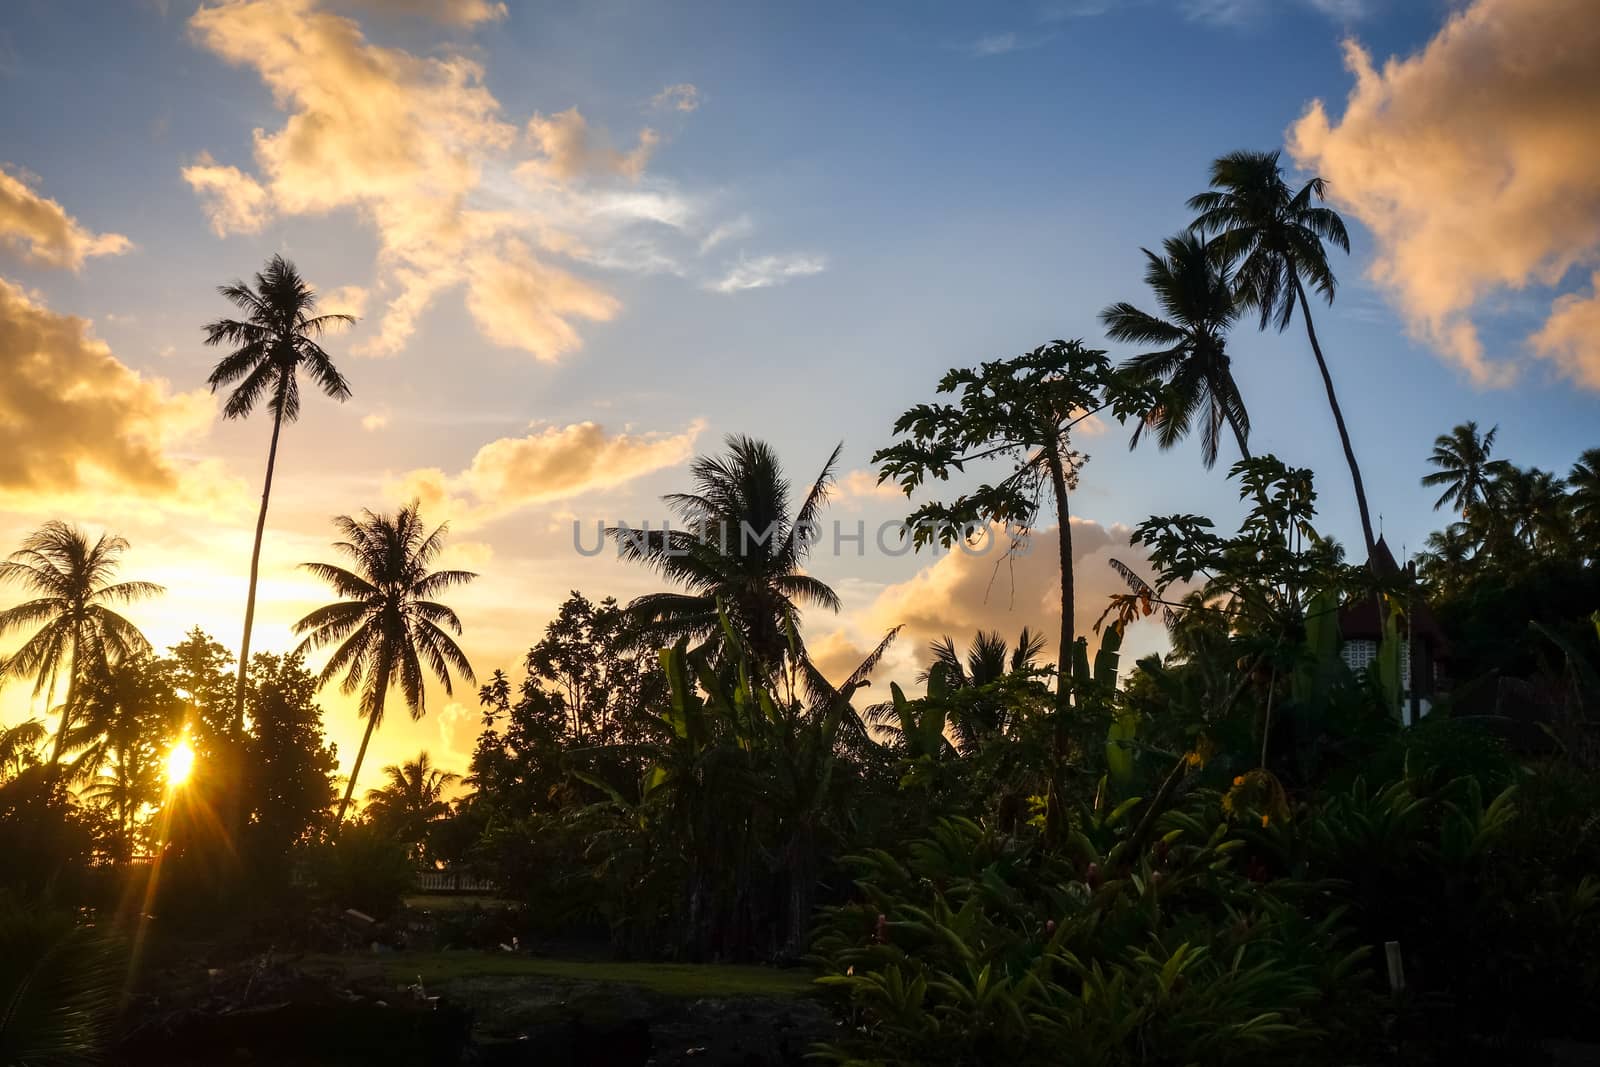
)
(1230, 853)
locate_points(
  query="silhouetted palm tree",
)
(1534, 504)
(988, 660)
(1464, 468)
(389, 627)
(1275, 239)
(78, 633)
(413, 797)
(1447, 557)
(17, 744)
(1583, 487)
(271, 345)
(739, 546)
(1190, 355)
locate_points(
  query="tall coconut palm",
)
(739, 546)
(389, 627)
(79, 633)
(1276, 238)
(1189, 354)
(1465, 471)
(271, 345)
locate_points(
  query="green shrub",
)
(364, 869)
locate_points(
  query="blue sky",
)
(915, 185)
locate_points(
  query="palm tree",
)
(1534, 503)
(17, 745)
(1448, 555)
(739, 548)
(1190, 355)
(270, 347)
(413, 797)
(988, 660)
(1275, 236)
(389, 626)
(79, 634)
(1464, 468)
(1583, 487)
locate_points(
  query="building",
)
(1422, 662)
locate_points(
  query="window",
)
(1358, 655)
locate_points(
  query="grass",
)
(687, 980)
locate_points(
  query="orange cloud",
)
(233, 201)
(1473, 163)
(569, 150)
(556, 463)
(75, 421)
(961, 593)
(40, 232)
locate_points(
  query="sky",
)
(585, 241)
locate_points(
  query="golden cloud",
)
(556, 463)
(569, 150)
(40, 231)
(401, 139)
(233, 201)
(963, 592)
(74, 420)
(1473, 163)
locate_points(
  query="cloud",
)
(1473, 163)
(961, 592)
(466, 13)
(75, 420)
(682, 97)
(342, 300)
(1571, 336)
(555, 463)
(419, 149)
(999, 44)
(374, 421)
(233, 201)
(858, 485)
(570, 150)
(39, 231)
(519, 302)
(765, 271)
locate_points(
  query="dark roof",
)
(1360, 618)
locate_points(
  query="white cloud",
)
(765, 271)
(1473, 163)
(682, 97)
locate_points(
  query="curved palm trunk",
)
(361, 753)
(1338, 418)
(1238, 435)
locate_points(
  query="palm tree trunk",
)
(1238, 435)
(1338, 419)
(255, 568)
(361, 753)
(60, 747)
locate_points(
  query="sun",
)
(180, 762)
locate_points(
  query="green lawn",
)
(687, 980)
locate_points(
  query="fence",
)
(430, 881)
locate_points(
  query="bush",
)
(364, 869)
